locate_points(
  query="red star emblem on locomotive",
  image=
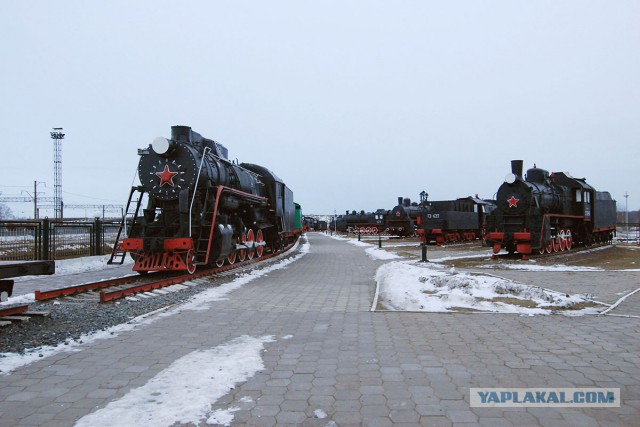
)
(513, 202)
(166, 176)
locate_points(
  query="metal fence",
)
(628, 233)
(48, 239)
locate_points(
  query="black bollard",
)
(358, 235)
(379, 241)
(424, 253)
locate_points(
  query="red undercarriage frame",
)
(521, 239)
(178, 254)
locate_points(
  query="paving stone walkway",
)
(333, 362)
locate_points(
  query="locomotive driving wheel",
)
(259, 241)
(549, 247)
(242, 253)
(250, 242)
(563, 240)
(231, 259)
(220, 263)
(569, 239)
(190, 261)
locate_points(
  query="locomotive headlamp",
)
(161, 145)
(510, 178)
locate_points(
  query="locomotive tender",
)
(446, 221)
(203, 209)
(545, 212)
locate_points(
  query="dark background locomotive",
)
(446, 221)
(364, 222)
(545, 212)
(402, 219)
(202, 208)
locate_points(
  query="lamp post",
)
(626, 212)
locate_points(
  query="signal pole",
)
(57, 137)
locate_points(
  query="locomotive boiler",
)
(543, 212)
(203, 209)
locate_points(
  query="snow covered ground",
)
(432, 287)
(413, 286)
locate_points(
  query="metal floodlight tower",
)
(57, 137)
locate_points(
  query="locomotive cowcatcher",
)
(203, 209)
(545, 212)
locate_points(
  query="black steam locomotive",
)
(403, 218)
(203, 209)
(363, 222)
(545, 212)
(449, 221)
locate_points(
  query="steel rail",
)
(12, 311)
(106, 296)
(85, 287)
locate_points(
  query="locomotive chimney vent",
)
(400, 201)
(516, 168)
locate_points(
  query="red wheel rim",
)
(190, 261)
(250, 242)
(242, 253)
(259, 239)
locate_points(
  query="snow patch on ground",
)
(371, 250)
(409, 286)
(182, 394)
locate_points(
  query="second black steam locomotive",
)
(543, 212)
(202, 208)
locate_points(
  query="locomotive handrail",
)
(195, 186)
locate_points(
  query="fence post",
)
(45, 239)
(97, 233)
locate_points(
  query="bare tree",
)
(5, 212)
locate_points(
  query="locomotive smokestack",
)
(400, 201)
(181, 133)
(516, 168)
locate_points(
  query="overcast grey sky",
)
(351, 103)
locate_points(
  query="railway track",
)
(113, 289)
(132, 287)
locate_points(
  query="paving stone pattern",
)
(335, 363)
